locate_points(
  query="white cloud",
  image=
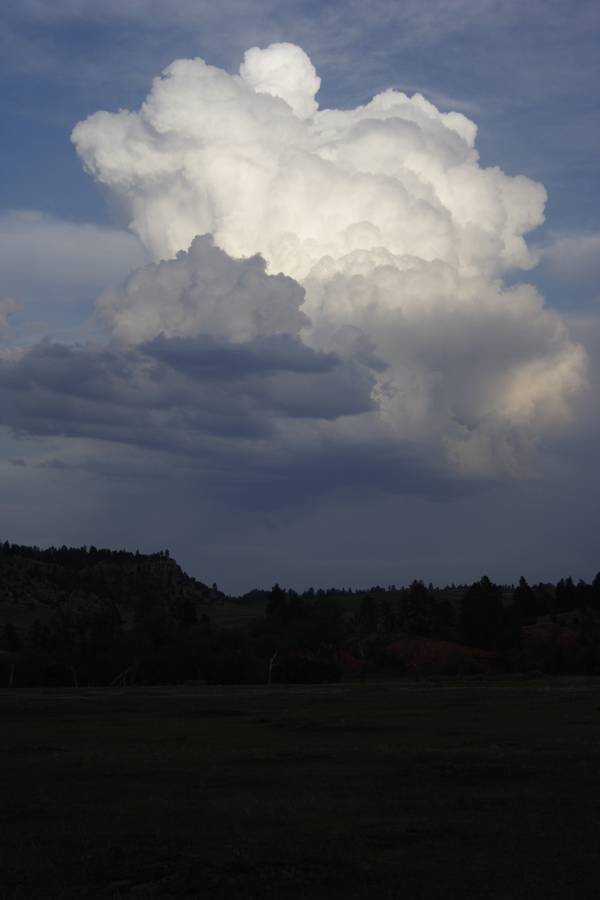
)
(207, 153)
(283, 70)
(382, 214)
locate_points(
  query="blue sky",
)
(527, 75)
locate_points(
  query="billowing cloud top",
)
(206, 292)
(250, 159)
(384, 243)
(283, 70)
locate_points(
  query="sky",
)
(303, 292)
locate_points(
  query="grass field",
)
(483, 789)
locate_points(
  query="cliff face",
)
(80, 578)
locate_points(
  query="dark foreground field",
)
(403, 790)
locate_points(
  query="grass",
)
(426, 789)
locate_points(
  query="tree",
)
(277, 601)
(595, 592)
(565, 596)
(524, 603)
(367, 615)
(481, 617)
(417, 609)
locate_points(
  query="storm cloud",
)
(385, 244)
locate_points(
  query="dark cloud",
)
(174, 392)
(205, 358)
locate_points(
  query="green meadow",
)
(406, 789)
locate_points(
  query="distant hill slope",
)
(80, 578)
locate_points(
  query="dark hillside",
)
(86, 579)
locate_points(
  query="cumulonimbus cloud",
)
(395, 236)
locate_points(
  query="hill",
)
(85, 579)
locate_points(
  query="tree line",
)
(95, 617)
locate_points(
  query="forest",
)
(96, 617)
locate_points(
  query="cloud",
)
(203, 291)
(45, 258)
(385, 243)
(574, 259)
(569, 270)
(207, 153)
(182, 395)
(204, 357)
(283, 70)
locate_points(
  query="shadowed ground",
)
(485, 789)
